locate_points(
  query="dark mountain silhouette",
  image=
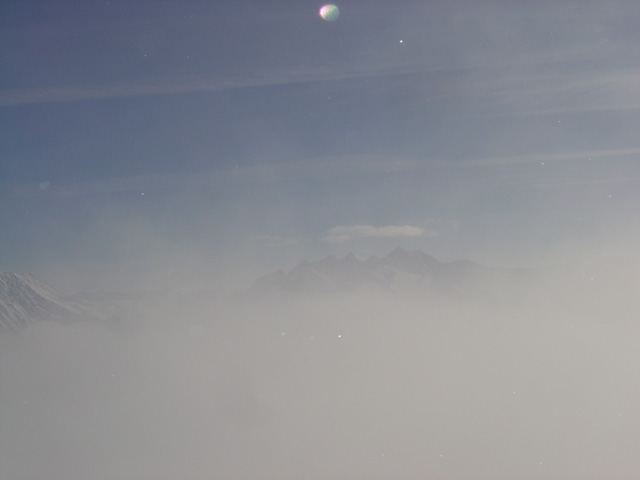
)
(400, 270)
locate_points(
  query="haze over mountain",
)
(25, 300)
(399, 271)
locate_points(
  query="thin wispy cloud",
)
(521, 93)
(134, 183)
(198, 84)
(341, 234)
(583, 90)
(326, 168)
(317, 168)
(586, 155)
(332, 166)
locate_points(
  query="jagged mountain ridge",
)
(399, 270)
(25, 300)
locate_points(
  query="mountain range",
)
(25, 300)
(399, 271)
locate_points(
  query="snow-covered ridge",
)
(25, 300)
(400, 270)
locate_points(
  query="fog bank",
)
(368, 385)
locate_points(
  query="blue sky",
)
(149, 142)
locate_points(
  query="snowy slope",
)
(25, 300)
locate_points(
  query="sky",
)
(192, 145)
(145, 143)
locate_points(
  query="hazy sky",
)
(190, 138)
(148, 144)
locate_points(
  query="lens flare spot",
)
(329, 12)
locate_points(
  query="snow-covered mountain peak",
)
(395, 271)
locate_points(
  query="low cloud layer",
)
(539, 384)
